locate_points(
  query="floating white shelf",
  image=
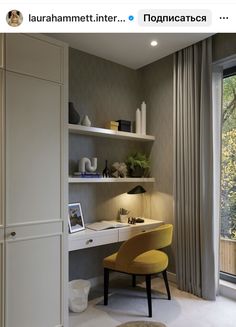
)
(103, 132)
(111, 180)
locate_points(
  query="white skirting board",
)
(228, 289)
(99, 280)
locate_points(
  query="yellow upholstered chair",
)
(141, 255)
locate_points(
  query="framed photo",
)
(75, 218)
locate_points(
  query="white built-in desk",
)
(89, 238)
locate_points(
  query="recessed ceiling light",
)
(154, 43)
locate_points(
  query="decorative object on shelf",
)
(138, 121)
(87, 165)
(119, 169)
(106, 171)
(113, 125)
(138, 165)
(124, 125)
(74, 116)
(123, 215)
(143, 118)
(86, 121)
(75, 217)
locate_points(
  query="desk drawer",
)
(128, 232)
(88, 240)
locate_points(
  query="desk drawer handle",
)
(13, 234)
(89, 241)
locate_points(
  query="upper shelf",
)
(112, 180)
(103, 132)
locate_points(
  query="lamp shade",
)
(137, 190)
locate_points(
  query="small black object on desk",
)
(133, 220)
(139, 220)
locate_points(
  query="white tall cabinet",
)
(2, 178)
(33, 226)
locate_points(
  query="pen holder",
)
(124, 218)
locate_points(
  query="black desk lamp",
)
(137, 190)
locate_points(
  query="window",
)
(228, 178)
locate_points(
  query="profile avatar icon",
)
(14, 18)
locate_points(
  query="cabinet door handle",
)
(13, 234)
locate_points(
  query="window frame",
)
(228, 72)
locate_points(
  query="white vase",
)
(143, 118)
(86, 121)
(138, 121)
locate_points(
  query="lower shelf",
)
(111, 180)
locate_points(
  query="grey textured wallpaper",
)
(157, 81)
(104, 91)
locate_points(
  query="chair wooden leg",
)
(167, 284)
(149, 294)
(106, 285)
(134, 280)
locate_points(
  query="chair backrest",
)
(157, 238)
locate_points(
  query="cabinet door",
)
(1, 277)
(2, 147)
(2, 183)
(33, 155)
(30, 55)
(34, 256)
(33, 276)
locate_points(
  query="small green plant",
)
(138, 160)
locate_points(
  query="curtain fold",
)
(193, 170)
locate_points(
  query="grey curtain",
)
(193, 170)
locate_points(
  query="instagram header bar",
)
(118, 18)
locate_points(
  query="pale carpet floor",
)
(128, 304)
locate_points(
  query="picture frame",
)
(75, 217)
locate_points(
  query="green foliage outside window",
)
(228, 168)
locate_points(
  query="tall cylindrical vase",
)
(143, 118)
(138, 121)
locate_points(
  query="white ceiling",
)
(131, 50)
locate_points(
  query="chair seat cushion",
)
(150, 262)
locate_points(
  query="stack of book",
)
(87, 175)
